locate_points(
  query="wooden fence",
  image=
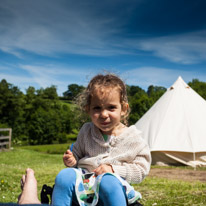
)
(5, 138)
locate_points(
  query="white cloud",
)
(11, 51)
(47, 75)
(22, 82)
(146, 76)
(187, 48)
(17, 79)
(55, 27)
(50, 28)
(43, 76)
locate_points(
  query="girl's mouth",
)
(104, 123)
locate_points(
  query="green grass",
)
(155, 191)
(49, 149)
(160, 191)
(13, 164)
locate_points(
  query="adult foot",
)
(29, 189)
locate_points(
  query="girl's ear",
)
(125, 107)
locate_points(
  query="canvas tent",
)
(175, 127)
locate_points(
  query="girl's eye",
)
(112, 107)
(96, 108)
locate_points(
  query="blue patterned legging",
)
(111, 192)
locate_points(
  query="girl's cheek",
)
(95, 115)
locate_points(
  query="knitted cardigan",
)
(128, 153)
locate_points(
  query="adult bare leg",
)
(29, 189)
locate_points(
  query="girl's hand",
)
(103, 169)
(69, 159)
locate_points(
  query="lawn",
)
(155, 191)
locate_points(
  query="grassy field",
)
(155, 191)
(49, 149)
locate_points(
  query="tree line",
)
(40, 116)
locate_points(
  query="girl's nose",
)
(104, 113)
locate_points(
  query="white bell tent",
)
(175, 127)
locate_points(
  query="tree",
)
(11, 107)
(139, 104)
(199, 87)
(50, 93)
(73, 91)
(37, 117)
(132, 90)
(155, 92)
(42, 127)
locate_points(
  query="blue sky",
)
(60, 42)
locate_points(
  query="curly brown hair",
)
(100, 82)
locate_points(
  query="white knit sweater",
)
(128, 154)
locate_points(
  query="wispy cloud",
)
(50, 28)
(116, 35)
(42, 76)
(47, 75)
(53, 28)
(22, 82)
(146, 76)
(186, 48)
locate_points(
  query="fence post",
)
(3, 138)
(10, 133)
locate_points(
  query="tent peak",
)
(180, 78)
(179, 83)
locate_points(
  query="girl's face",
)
(106, 111)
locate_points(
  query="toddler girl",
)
(115, 154)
